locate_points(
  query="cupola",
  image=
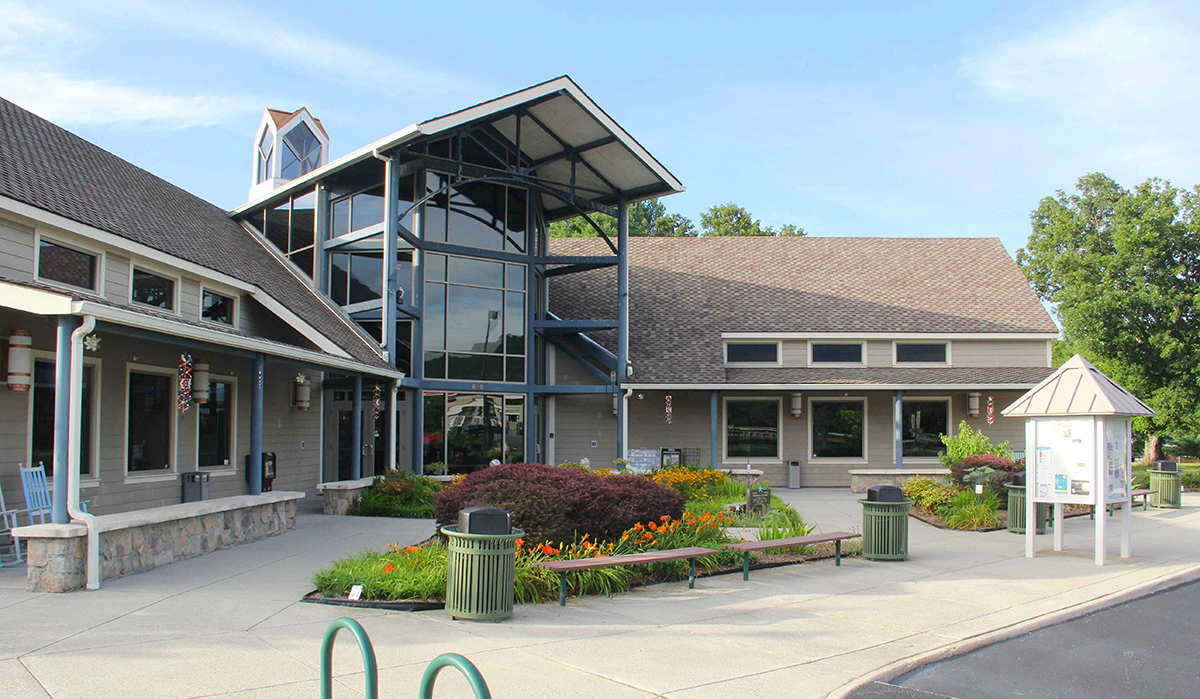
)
(287, 145)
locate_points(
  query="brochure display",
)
(1078, 442)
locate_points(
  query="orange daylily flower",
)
(389, 568)
(412, 549)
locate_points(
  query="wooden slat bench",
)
(563, 567)
(746, 547)
(1143, 493)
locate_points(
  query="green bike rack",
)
(371, 670)
(466, 667)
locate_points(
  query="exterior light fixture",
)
(616, 397)
(200, 387)
(303, 393)
(797, 405)
(20, 360)
(973, 404)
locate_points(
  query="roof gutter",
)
(829, 387)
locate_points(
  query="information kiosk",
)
(1077, 449)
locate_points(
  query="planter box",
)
(338, 496)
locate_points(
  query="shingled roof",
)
(685, 292)
(47, 167)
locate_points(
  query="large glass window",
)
(466, 431)
(752, 353)
(65, 265)
(837, 429)
(752, 429)
(837, 353)
(148, 421)
(215, 432)
(921, 353)
(153, 289)
(42, 429)
(474, 326)
(291, 227)
(301, 153)
(476, 214)
(925, 421)
(216, 308)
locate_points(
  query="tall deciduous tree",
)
(646, 218)
(1122, 271)
(731, 219)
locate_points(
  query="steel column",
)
(256, 425)
(320, 255)
(622, 317)
(62, 416)
(714, 430)
(391, 222)
(898, 436)
(417, 341)
(533, 312)
(356, 430)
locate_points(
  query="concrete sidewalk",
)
(228, 624)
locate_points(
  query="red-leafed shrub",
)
(1003, 471)
(559, 504)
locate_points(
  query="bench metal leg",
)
(745, 565)
(562, 589)
(691, 573)
(837, 553)
(1145, 503)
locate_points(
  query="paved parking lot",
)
(229, 624)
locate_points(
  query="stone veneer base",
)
(134, 542)
(861, 479)
(338, 496)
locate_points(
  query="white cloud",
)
(262, 34)
(1128, 63)
(67, 100)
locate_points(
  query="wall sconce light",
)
(20, 360)
(616, 397)
(973, 404)
(200, 381)
(303, 393)
(797, 405)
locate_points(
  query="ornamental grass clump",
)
(397, 494)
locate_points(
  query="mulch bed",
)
(933, 520)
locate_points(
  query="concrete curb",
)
(1020, 628)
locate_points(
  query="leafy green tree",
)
(1121, 269)
(731, 219)
(646, 218)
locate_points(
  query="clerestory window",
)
(302, 152)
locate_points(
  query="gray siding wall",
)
(879, 353)
(116, 278)
(16, 251)
(581, 419)
(293, 435)
(254, 319)
(189, 299)
(795, 353)
(993, 353)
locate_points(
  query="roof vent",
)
(287, 145)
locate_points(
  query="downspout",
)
(74, 428)
(625, 422)
(393, 412)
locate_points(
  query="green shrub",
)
(963, 511)
(927, 494)
(397, 494)
(969, 442)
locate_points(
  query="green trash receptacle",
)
(885, 524)
(1167, 487)
(480, 574)
(1016, 508)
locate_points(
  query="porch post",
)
(356, 431)
(714, 430)
(622, 320)
(899, 429)
(62, 416)
(256, 425)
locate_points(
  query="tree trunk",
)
(1154, 450)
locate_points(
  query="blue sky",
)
(928, 119)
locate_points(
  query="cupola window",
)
(302, 152)
(266, 151)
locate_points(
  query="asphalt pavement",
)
(1147, 648)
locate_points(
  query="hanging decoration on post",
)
(377, 401)
(303, 392)
(91, 343)
(185, 382)
(668, 409)
(991, 415)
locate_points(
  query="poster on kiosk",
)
(1078, 441)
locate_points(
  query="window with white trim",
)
(214, 430)
(66, 265)
(752, 353)
(216, 308)
(41, 432)
(836, 353)
(152, 289)
(149, 422)
(838, 429)
(752, 429)
(925, 421)
(922, 353)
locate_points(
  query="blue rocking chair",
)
(37, 494)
